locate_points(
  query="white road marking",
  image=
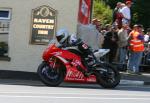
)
(81, 94)
(54, 97)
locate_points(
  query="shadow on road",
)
(34, 83)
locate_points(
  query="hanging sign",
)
(43, 25)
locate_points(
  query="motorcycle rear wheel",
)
(50, 76)
(108, 76)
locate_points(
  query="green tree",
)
(141, 12)
(112, 3)
(102, 12)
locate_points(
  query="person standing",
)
(110, 42)
(147, 36)
(126, 13)
(117, 16)
(147, 46)
(118, 5)
(122, 45)
(136, 47)
(99, 37)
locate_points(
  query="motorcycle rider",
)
(66, 40)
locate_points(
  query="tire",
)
(50, 76)
(107, 76)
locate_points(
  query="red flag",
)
(84, 11)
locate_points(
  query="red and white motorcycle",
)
(67, 64)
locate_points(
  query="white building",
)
(16, 29)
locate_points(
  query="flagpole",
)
(91, 10)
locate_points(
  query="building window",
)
(5, 14)
(5, 17)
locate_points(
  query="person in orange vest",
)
(136, 47)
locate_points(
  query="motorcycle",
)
(68, 64)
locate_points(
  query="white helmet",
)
(62, 35)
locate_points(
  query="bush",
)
(3, 48)
(102, 12)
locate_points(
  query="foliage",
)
(112, 3)
(3, 44)
(102, 12)
(3, 48)
(140, 10)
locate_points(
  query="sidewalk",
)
(33, 79)
(143, 79)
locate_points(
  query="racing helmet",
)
(62, 35)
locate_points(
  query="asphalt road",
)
(17, 91)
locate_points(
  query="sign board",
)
(43, 25)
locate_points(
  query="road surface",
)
(13, 91)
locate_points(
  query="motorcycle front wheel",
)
(50, 76)
(107, 76)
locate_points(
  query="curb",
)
(143, 79)
(18, 75)
(146, 83)
(27, 76)
(131, 82)
(134, 82)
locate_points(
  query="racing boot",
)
(91, 65)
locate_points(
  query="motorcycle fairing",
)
(71, 62)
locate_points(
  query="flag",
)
(84, 11)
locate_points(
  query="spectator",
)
(117, 16)
(126, 13)
(122, 44)
(97, 23)
(122, 5)
(147, 47)
(100, 37)
(116, 11)
(147, 36)
(107, 28)
(136, 49)
(110, 42)
(116, 26)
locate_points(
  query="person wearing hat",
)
(126, 12)
(136, 47)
